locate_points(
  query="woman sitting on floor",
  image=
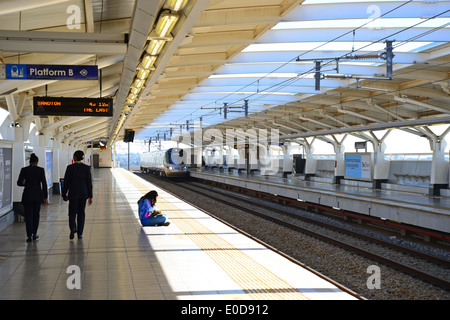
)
(149, 213)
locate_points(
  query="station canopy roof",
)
(306, 68)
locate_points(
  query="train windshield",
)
(174, 156)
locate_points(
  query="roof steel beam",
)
(290, 56)
(89, 16)
(249, 15)
(373, 127)
(62, 42)
(420, 104)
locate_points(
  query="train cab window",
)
(175, 156)
(181, 155)
(169, 156)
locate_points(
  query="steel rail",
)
(410, 251)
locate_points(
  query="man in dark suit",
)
(78, 182)
(34, 193)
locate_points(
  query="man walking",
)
(78, 182)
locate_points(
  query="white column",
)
(439, 167)
(18, 158)
(381, 167)
(56, 153)
(287, 160)
(339, 164)
(311, 163)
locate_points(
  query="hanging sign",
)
(56, 106)
(50, 72)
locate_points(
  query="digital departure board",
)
(89, 107)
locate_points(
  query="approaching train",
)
(166, 163)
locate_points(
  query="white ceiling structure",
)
(223, 54)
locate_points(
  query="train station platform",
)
(195, 257)
(412, 209)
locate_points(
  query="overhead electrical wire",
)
(292, 80)
(384, 38)
(282, 85)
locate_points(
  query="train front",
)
(175, 163)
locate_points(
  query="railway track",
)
(266, 211)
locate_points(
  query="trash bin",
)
(56, 188)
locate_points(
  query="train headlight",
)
(170, 168)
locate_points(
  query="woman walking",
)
(34, 193)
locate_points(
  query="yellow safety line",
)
(254, 279)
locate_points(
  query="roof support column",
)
(381, 166)
(439, 178)
(287, 161)
(18, 157)
(64, 158)
(196, 160)
(339, 163)
(267, 164)
(56, 164)
(11, 107)
(311, 162)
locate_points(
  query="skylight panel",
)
(289, 46)
(276, 93)
(255, 75)
(339, 1)
(363, 46)
(368, 23)
(415, 46)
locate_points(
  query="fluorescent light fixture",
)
(143, 74)
(166, 22)
(135, 91)
(176, 5)
(147, 61)
(138, 83)
(155, 46)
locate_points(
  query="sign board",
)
(358, 166)
(6, 178)
(56, 106)
(50, 72)
(361, 145)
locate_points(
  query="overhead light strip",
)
(155, 43)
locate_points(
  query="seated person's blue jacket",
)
(145, 211)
